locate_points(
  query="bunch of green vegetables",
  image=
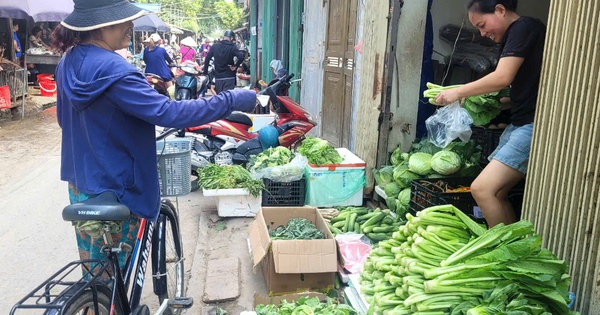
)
(425, 160)
(306, 306)
(270, 157)
(376, 224)
(296, 229)
(215, 176)
(482, 108)
(442, 262)
(319, 151)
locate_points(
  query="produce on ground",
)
(270, 157)
(319, 151)
(376, 224)
(296, 229)
(442, 262)
(306, 306)
(443, 187)
(482, 108)
(215, 176)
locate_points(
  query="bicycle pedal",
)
(181, 302)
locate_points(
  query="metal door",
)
(339, 65)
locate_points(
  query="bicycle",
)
(103, 287)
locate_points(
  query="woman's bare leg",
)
(490, 189)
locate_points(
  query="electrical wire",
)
(462, 25)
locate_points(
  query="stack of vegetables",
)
(425, 160)
(215, 176)
(270, 157)
(376, 224)
(482, 108)
(319, 152)
(442, 262)
(306, 306)
(297, 229)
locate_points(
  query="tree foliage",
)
(209, 17)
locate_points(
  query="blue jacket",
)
(108, 112)
(156, 62)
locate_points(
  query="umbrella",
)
(150, 23)
(39, 10)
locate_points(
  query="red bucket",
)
(44, 77)
(47, 88)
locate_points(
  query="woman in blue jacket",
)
(108, 112)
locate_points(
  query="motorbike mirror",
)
(263, 100)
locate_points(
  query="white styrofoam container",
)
(236, 202)
(260, 120)
(318, 176)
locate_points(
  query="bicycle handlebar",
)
(167, 132)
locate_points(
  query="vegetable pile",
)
(376, 224)
(270, 157)
(442, 262)
(319, 152)
(297, 229)
(424, 160)
(306, 306)
(215, 176)
(482, 108)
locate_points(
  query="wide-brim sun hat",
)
(89, 15)
(188, 41)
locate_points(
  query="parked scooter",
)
(229, 141)
(157, 83)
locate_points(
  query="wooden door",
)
(339, 68)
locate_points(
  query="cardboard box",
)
(290, 266)
(234, 202)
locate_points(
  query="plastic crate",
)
(283, 194)
(488, 139)
(423, 196)
(174, 166)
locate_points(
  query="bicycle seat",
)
(104, 207)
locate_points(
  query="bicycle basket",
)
(174, 166)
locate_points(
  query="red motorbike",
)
(229, 141)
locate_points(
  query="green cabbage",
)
(391, 189)
(391, 203)
(404, 197)
(384, 176)
(403, 177)
(446, 162)
(396, 157)
(420, 163)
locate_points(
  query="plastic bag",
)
(355, 249)
(448, 123)
(290, 172)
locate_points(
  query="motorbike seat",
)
(240, 119)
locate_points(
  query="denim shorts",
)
(514, 147)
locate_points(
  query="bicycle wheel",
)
(167, 256)
(83, 304)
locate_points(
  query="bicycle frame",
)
(136, 264)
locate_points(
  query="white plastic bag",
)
(290, 172)
(448, 123)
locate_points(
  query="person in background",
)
(108, 113)
(157, 60)
(521, 42)
(226, 60)
(278, 71)
(186, 49)
(35, 39)
(16, 42)
(204, 48)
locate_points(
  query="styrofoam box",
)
(350, 162)
(236, 202)
(260, 120)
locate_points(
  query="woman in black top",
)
(521, 42)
